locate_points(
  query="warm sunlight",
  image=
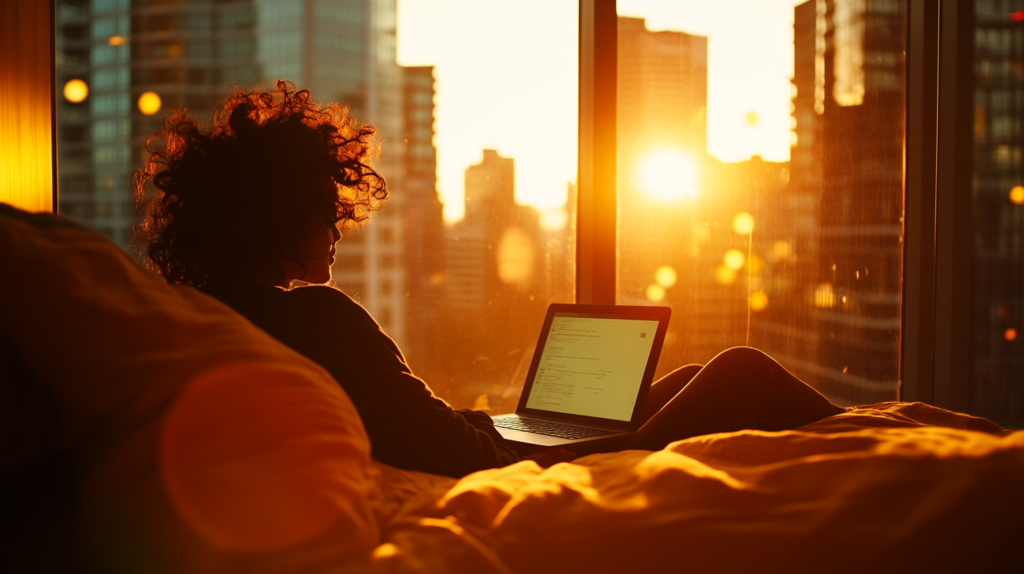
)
(668, 175)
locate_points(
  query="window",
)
(760, 183)
(997, 195)
(765, 211)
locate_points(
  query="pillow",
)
(200, 443)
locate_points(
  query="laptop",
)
(590, 375)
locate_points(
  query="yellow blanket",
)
(874, 489)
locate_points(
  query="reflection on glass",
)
(792, 113)
(998, 297)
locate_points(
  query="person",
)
(246, 208)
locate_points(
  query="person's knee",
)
(741, 355)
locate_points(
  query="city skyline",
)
(505, 74)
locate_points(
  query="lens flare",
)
(668, 176)
(655, 293)
(734, 259)
(75, 91)
(665, 276)
(743, 223)
(149, 103)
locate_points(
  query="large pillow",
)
(197, 442)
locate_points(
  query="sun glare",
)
(668, 175)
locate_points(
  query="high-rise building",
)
(494, 282)
(842, 209)
(422, 221)
(998, 288)
(192, 54)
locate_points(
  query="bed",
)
(147, 427)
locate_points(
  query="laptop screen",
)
(592, 365)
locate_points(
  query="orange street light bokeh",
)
(116, 40)
(1010, 334)
(1017, 194)
(75, 91)
(149, 103)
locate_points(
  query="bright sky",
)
(506, 74)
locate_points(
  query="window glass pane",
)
(479, 149)
(760, 182)
(506, 129)
(998, 191)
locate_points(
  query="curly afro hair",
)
(227, 201)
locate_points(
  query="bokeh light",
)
(1017, 194)
(734, 259)
(724, 275)
(75, 91)
(655, 293)
(824, 296)
(781, 250)
(1010, 334)
(743, 223)
(116, 40)
(665, 276)
(752, 118)
(668, 175)
(758, 301)
(149, 103)
(515, 258)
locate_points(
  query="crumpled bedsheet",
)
(891, 487)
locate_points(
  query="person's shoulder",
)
(327, 300)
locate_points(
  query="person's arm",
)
(409, 427)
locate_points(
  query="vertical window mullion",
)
(954, 207)
(597, 211)
(917, 333)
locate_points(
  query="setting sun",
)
(668, 175)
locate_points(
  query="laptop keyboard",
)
(548, 428)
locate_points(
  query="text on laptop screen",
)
(592, 366)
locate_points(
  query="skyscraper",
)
(998, 287)
(422, 221)
(846, 181)
(192, 54)
(494, 282)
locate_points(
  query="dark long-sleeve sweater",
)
(409, 427)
